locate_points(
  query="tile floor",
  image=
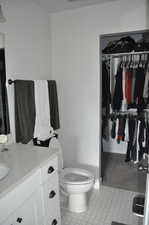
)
(106, 205)
(119, 174)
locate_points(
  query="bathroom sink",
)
(3, 170)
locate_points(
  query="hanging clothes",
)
(124, 102)
(113, 129)
(131, 95)
(131, 148)
(121, 128)
(146, 85)
(106, 99)
(118, 91)
(141, 139)
(138, 90)
(128, 86)
(133, 86)
(106, 96)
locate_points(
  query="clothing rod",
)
(115, 55)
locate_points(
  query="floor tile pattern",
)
(105, 205)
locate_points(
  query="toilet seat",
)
(75, 176)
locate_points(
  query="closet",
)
(125, 110)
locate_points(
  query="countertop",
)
(23, 160)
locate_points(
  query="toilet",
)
(74, 182)
(77, 183)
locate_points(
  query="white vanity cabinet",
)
(30, 213)
(27, 214)
(23, 204)
(35, 201)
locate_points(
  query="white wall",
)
(75, 66)
(27, 43)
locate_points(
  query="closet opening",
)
(125, 110)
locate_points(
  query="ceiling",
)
(61, 5)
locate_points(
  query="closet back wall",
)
(75, 66)
(27, 44)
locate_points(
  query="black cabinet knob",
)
(52, 194)
(51, 169)
(19, 220)
(54, 222)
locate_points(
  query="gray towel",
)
(24, 110)
(53, 101)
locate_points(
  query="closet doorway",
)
(125, 110)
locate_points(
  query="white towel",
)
(42, 121)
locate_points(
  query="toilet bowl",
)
(76, 183)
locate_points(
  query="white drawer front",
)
(49, 169)
(16, 197)
(51, 194)
(53, 219)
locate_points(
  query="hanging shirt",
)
(118, 91)
(139, 86)
(124, 102)
(133, 84)
(137, 142)
(128, 86)
(145, 90)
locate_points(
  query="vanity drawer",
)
(53, 219)
(49, 169)
(51, 195)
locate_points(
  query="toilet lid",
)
(76, 176)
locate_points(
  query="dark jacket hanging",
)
(24, 110)
(53, 101)
(4, 112)
(138, 90)
(118, 91)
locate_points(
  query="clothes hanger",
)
(123, 61)
(126, 61)
(132, 62)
